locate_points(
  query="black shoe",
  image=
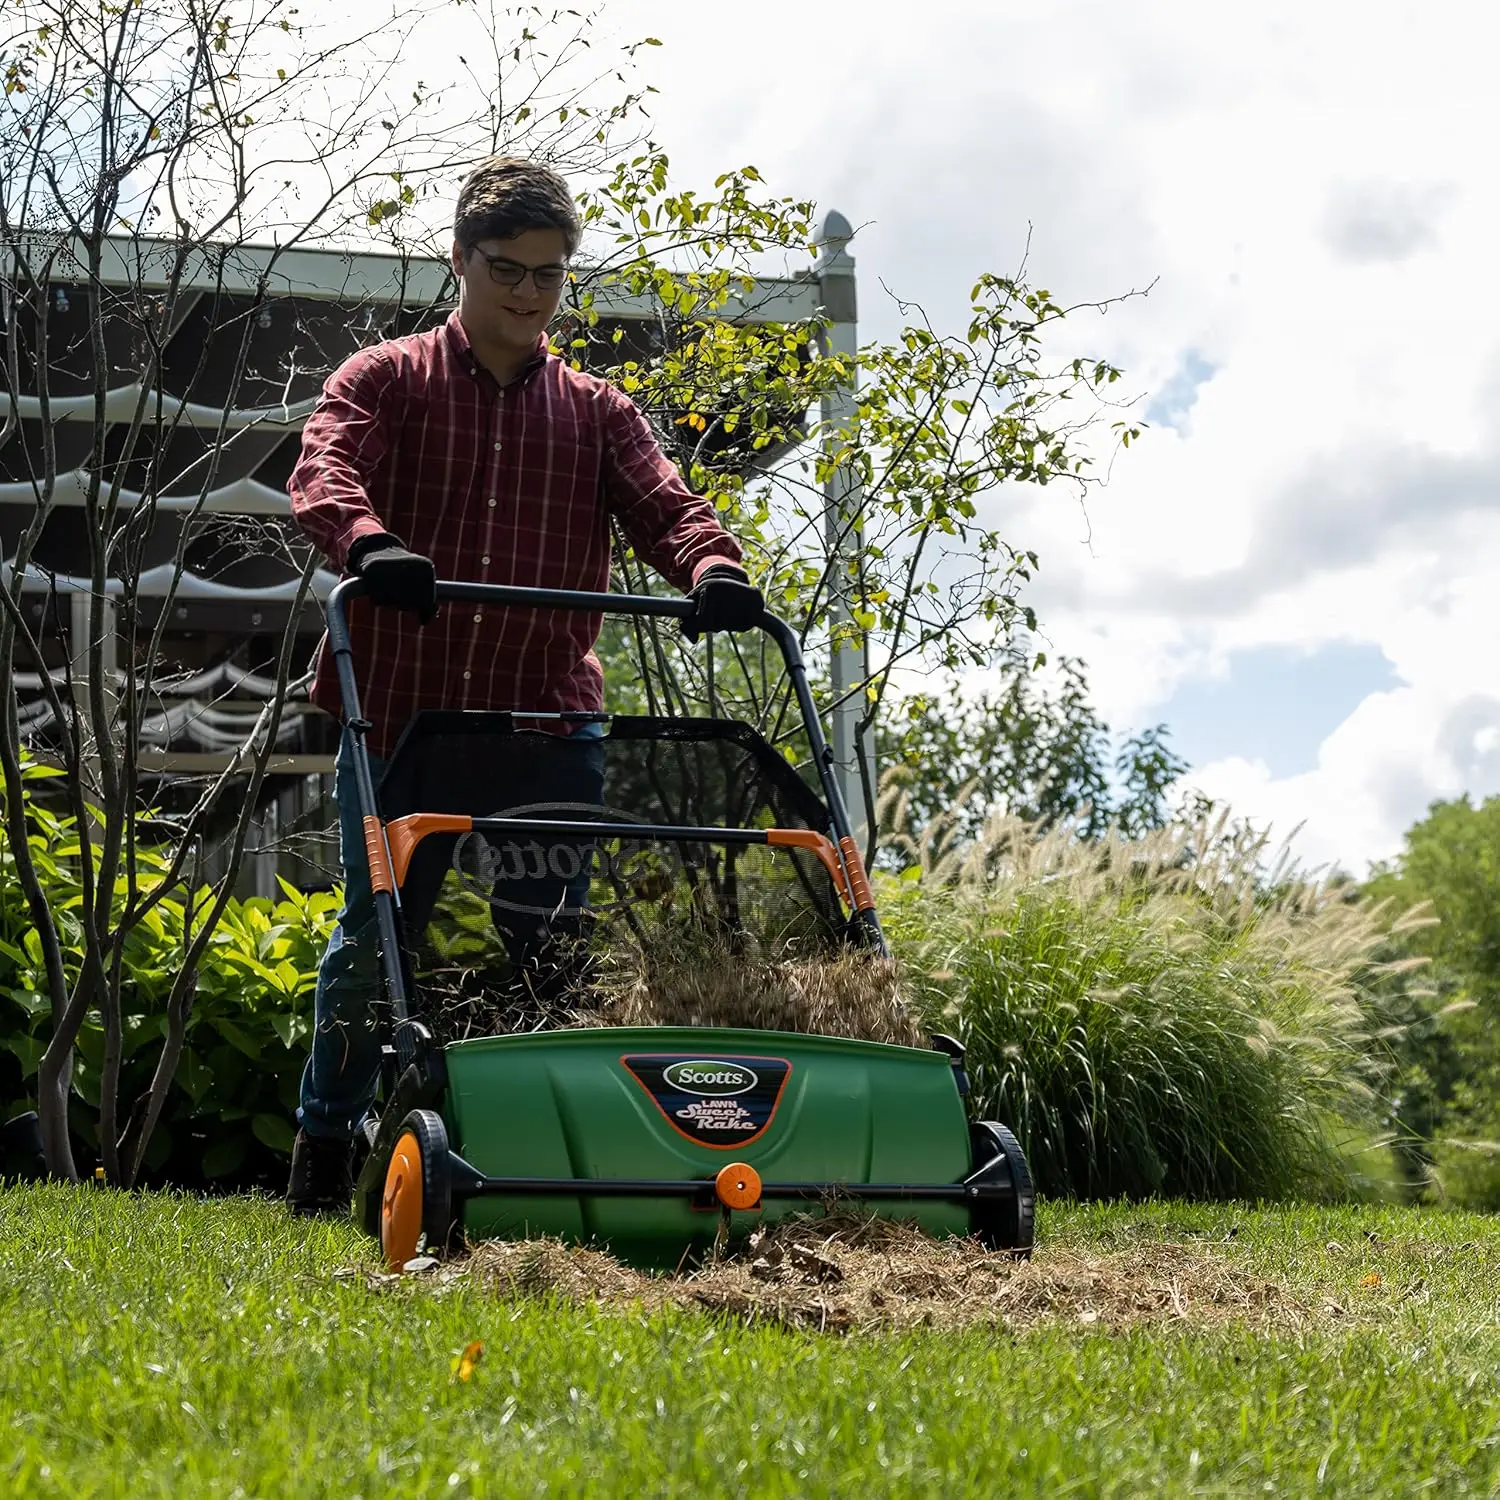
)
(322, 1175)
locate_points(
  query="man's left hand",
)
(726, 600)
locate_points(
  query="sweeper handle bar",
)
(609, 604)
(640, 605)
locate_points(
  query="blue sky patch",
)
(1173, 403)
(1277, 704)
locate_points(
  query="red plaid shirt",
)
(515, 485)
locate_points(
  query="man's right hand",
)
(393, 576)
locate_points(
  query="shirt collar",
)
(458, 341)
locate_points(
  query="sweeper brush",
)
(684, 1112)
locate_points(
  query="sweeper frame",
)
(831, 1119)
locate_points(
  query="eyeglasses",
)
(512, 273)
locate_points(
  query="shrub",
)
(1159, 1016)
(1449, 1092)
(228, 1118)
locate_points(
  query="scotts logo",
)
(723, 1103)
(716, 1080)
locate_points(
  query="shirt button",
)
(497, 447)
(466, 676)
(485, 561)
(478, 618)
(492, 502)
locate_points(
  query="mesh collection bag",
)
(653, 773)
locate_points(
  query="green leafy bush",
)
(1449, 1091)
(229, 1116)
(1158, 1016)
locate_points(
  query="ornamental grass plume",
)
(1185, 1014)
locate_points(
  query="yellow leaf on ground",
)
(463, 1364)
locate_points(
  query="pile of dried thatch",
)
(849, 994)
(678, 980)
(842, 1274)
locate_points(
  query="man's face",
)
(494, 305)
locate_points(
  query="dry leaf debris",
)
(843, 1275)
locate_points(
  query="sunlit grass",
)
(167, 1346)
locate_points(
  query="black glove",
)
(394, 576)
(726, 600)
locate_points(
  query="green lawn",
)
(165, 1346)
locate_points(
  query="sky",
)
(1297, 568)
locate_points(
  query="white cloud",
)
(1396, 753)
(1379, 220)
(1312, 187)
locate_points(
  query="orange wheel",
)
(738, 1186)
(416, 1201)
(401, 1202)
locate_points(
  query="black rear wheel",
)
(1007, 1223)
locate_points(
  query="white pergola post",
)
(842, 499)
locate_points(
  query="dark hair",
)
(506, 195)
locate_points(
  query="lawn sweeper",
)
(656, 1142)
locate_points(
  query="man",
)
(471, 452)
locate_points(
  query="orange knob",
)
(738, 1186)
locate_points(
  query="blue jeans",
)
(343, 1069)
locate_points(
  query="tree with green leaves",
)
(1448, 1106)
(910, 569)
(1045, 757)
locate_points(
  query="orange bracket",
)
(406, 833)
(822, 846)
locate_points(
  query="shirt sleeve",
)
(344, 442)
(675, 530)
